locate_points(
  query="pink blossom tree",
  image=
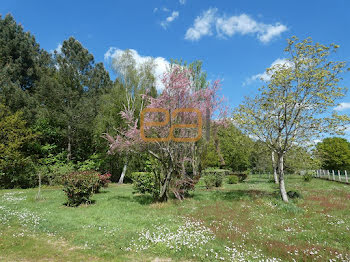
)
(175, 154)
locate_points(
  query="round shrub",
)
(79, 187)
(232, 179)
(209, 181)
(214, 177)
(145, 182)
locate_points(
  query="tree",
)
(235, 147)
(80, 83)
(22, 64)
(293, 107)
(334, 153)
(173, 156)
(133, 82)
(15, 165)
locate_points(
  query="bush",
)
(209, 181)
(232, 179)
(307, 176)
(79, 187)
(293, 194)
(214, 177)
(241, 176)
(145, 182)
(103, 181)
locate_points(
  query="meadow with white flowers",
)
(239, 222)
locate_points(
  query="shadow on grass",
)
(236, 195)
(243, 194)
(141, 199)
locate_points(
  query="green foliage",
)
(213, 177)
(232, 179)
(145, 182)
(79, 187)
(17, 169)
(210, 157)
(308, 176)
(235, 147)
(209, 181)
(242, 176)
(334, 153)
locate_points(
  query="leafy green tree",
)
(292, 108)
(334, 153)
(235, 147)
(15, 165)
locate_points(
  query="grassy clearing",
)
(242, 222)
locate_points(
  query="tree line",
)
(56, 110)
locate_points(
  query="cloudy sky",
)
(236, 40)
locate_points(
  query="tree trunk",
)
(69, 146)
(121, 179)
(281, 178)
(163, 196)
(274, 167)
(38, 196)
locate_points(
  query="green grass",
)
(237, 222)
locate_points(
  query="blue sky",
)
(236, 40)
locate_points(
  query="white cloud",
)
(58, 49)
(202, 25)
(342, 106)
(155, 9)
(182, 2)
(229, 26)
(169, 19)
(265, 76)
(161, 64)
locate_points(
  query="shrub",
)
(293, 194)
(307, 176)
(145, 182)
(214, 177)
(209, 181)
(103, 181)
(232, 179)
(182, 186)
(241, 176)
(79, 187)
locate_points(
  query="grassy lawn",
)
(243, 222)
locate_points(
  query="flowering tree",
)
(294, 107)
(177, 115)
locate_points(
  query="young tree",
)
(180, 92)
(293, 107)
(133, 82)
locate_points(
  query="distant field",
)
(243, 222)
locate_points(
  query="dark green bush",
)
(79, 187)
(294, 194)
(145, 182)
(232, 179)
